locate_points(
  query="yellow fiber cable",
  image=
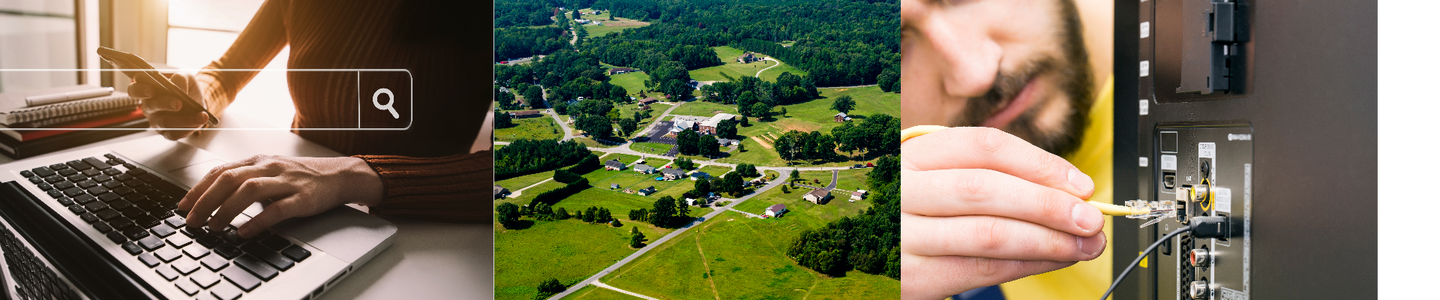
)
(1105, 208)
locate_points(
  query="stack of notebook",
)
(41, 121)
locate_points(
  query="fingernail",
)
(1091, 246)
(1086, 216)
(1081, 182)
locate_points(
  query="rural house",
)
(614, 165)
(858, 195)
(501, 192)
(774, 211)
(644, 169)
(841, 117)
(520, 114)
(618, 71)
(672, 174)
(817, 196)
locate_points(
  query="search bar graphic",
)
(383, 99)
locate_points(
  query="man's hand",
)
(163, 110)
(290, 187)
(981, 207)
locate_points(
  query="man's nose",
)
(972, 57)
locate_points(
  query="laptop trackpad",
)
(343, 232)
(192, 174)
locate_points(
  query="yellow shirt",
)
(1085, 279)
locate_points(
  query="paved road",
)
(734, 202)
(563, 127)
(845, 87)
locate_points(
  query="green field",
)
(633, 82)
(526, 195)
(624, 158)
(809, 178)
(803, 214)
(606, 24)
(705, 109)
(736, 257)
(733, 68)
(652, 148)
(568, 250)
(541, 128)
(524, 181)
(715, 171)
(852, 180)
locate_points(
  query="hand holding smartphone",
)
(140, 70)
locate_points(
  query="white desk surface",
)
(429, 260)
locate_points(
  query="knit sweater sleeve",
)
(452, 188)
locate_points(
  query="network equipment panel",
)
(1260, 118)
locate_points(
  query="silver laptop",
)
(100, 223)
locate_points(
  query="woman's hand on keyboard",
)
(290, 187)
(164, 110)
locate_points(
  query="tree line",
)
(523, 157)
(853, 52)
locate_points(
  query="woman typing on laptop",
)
(425, 172)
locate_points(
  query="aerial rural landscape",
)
(667, 149)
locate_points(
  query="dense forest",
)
(512, 43)
(854, 51)
(869, 242)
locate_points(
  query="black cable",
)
(1142, 257)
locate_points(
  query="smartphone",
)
(142, 71)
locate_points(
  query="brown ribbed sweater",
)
(427, 170)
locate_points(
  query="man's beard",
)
(1072, 75)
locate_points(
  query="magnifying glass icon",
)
(389, 104)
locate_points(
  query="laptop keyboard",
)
(33, 280)
(137, 210)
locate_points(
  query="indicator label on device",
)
(1167, 162)
(1222, 200)
(1207, 150)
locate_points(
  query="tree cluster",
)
(796, 145)
(693, 143)
(667, 213)
(510, 13)
(502, 119)
(877, 135)
(549, 288)
(685, 163)
(746, 92)
(747, 170)
(595, 215)
(869, 242)
(523, 157)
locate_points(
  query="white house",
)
(775, 210)
(644, 169)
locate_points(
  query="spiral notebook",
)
(13, 108)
